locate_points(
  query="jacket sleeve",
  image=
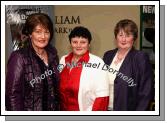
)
(145, 83)
(102, 90)
(14, 83)
(101, 104)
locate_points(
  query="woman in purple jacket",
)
(129, 71)
(32, 77)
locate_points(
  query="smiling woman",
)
(82, 88)
(23, 92)
(134, 94)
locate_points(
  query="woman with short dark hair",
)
(83, 85)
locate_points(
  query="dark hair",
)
(128, 26)
(80, 31)
(35, 19)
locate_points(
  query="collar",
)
(84, 58)
(51, 51)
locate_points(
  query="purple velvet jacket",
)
(25, 83)
(132, 95)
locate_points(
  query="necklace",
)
(119, 58)
(42, 57)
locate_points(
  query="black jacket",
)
(132, 95)
(27, 83)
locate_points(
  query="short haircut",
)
(128, 26)
(80, 31)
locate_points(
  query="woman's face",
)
(124, 40)
(40, 37)
(79, 46)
